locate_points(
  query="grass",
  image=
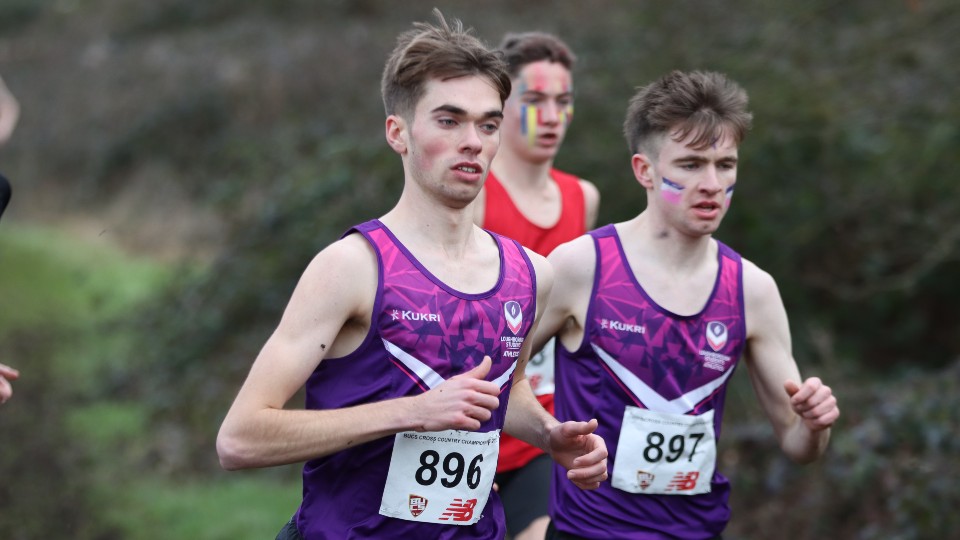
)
(238, 506)
(78, 293)
(47, 277)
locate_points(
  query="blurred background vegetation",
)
(178, 163)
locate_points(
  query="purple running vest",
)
(683, 364)
(422, 332)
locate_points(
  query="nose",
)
(710, 182)
(471, 143)
(549, 113)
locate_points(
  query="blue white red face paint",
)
(729, 195)
(671, 191)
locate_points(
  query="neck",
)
(520, 173)
(417, 221)
(665, 247)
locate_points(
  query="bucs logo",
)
(514, 315)
(644, 479)
(716, 335)
(417, 504)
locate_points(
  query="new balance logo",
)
(459, 510)
(683, 481)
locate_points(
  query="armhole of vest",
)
(735, 258)
(530, 270)
(588, 317)
(738, 260)
(364, 231)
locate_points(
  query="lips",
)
(468, 170)
(707, 210)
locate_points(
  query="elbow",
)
(233, 454)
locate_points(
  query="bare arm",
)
(571, 444)
(801, 412)
(591, 203)
(333, 299)
(574, 264)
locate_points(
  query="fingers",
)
(479, 372)
(5, 390)
(814, 402)
(596, 456)
(573, 429)
(8, 372)
(802, 392)
(590, 469)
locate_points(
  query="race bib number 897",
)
(665, 454)
(440, 476)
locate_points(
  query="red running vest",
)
(503, 217)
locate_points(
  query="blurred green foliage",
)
(265, 118)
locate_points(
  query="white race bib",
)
(539, 370)
(664, 453)
(440, 476)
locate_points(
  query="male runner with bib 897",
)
(410, 332)
(652, 316)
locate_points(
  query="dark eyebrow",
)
(700, 159)
(458, 111)
(542, 93)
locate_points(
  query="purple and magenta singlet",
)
(656, 382)
(422, 333)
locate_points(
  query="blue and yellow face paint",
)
(529, 120)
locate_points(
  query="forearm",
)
(269, 437)
(802, 445)
(526, 419)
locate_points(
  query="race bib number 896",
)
(440, 476)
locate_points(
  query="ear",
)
(643, 170)
(396, 132)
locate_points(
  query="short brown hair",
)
(443, 51)
(529, 47)
(705, 103)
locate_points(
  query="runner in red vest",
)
(528, 200)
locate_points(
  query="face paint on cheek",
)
(529, 118)
(670, 191)
(729, 195)
(566, 115)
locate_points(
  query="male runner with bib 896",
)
(409, 333)
(652, 316)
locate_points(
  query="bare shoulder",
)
(758, 284)
(574, 265)
(763, 306)
(544, 271)
(591, 202)
(590, 192)
(345, 270)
